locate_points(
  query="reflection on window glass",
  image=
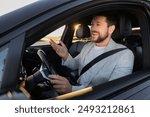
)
(3, 55)
(55, 35)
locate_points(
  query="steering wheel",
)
(38, 84)
(45, 62)
(50, 68)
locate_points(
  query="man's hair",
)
(110, 19)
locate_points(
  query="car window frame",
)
(145, 49)
(10, 76)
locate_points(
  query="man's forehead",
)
(99, 18)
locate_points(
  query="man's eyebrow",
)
(96, 22)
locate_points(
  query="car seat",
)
(82, 33)
(124, 35)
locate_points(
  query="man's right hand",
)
(60, 84)
(61, 49)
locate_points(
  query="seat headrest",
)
(123, 28)
(83, 31)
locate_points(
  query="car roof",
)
(26, 13)
(20, 16)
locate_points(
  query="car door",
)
(42, 21)
(135, 85)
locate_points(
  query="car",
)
(25, 33)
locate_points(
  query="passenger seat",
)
(82, 34)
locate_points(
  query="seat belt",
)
(99, 58)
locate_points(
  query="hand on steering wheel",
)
(61, 84)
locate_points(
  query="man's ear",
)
(111, 29)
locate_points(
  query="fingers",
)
(53, 44)
(63, 45)
(60, 84)
(59, 49)
(60, 88)
(56, 79)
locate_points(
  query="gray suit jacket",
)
(110, 68)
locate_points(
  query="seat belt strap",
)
(99, 58)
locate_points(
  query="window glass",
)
(3, 56)
(55, 35)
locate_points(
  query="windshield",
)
(7, 6)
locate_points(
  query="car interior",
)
(124, 34)
(127, 32)
(75, 35)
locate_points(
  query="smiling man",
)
(110, 68)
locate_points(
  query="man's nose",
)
(93, 27)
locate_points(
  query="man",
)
(110, 68)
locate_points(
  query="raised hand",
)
(61, 49)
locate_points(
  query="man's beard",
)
(100, 39)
